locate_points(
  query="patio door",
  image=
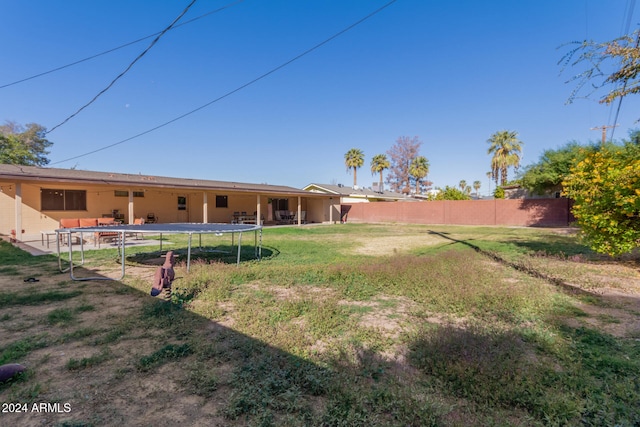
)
(183, 209)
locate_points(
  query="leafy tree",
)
(476, 186)
(401, 155)
(622, 55)
(506, 148)
(553, 167)
(605, 186)
(23, 145)
(418, 169)
(379, 163)
(498, 193)
(451, 193)
(353, 160)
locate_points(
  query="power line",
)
(125, 71)
(632, 6)
(53, 70)
(239, 88)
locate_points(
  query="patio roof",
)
(41, 174)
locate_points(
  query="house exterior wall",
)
(521, 212)
(101, 200)
(7, 209)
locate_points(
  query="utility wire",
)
(53, 70)
(126, 69)
(239, 88)
(630, 11)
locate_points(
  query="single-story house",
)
(35, 199)
(516, 191)
(356, 195)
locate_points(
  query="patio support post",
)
(330, 210)
(205, 208)
(18, 218)
(299, 210)
(130, 212)
(258, 215)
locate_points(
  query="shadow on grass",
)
(224, 254)
(190, 358)
(566, 287)
(557, 384)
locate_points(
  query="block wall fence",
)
(514, 212)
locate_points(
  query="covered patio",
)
(34, 200)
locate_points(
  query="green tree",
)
(605, 186)
(554, 166)
(476, 186)
(23, 145)
(506, 148)
(379, 163)
(419, 169)
(353, 160)
(451, 193)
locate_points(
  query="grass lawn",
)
(341, 325)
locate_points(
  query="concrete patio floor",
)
(36, 246)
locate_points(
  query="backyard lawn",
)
(337, 325)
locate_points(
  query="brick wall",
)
(519, 212)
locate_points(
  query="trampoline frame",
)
(122, 230)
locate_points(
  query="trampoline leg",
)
(189, 253)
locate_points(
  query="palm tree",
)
(476, 186)
(462, 184)
(354, 159)
(505, 147)
(379, 162)
(418, 169)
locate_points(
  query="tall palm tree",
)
(418, 169)
(462, 184)
(354, 159)
(379, 163)
(476, 186)
(505, 147)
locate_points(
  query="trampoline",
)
(122, 230)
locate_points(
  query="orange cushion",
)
(69, 222)
(88, 222)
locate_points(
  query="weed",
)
(87, 362)
(16, 351)
(165, 354)
(8, 299)
(61, 316)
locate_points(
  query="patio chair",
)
(106, 235)
(137, 235)
(151, 218)
(69, 223)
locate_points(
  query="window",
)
(222, 202)
(182, 203)
(63, 200)
(280, 204)
(125, 193)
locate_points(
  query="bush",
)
(606, 189)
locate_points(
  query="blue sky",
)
(450, 72)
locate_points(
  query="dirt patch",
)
(390, 245)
